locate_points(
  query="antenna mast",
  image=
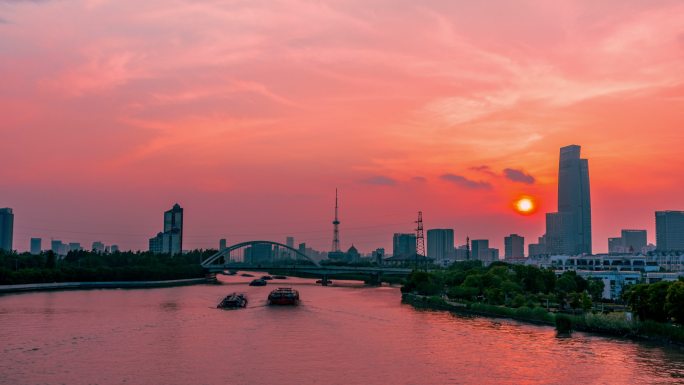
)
(336, 228)
(420, 238)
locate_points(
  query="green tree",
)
(50, 260)
(674, 302)
(595, 288)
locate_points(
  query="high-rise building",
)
(290, 242)
(222, 244)
(574, 200)
(669, 230)
(98, 247)
(74, 246)
(6, 228)
(479, 249)
(58, 247)
(634, 240)
(170, 241)
(440, 243)
(36, 246)
(514, 246)
(404, 245)
(615, 246)
(559, 234)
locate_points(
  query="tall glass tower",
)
(574, 201)
(6, 228)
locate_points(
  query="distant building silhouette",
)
(170, 241)
(514, 246)
(222, 244)
(669, 230)
(36, 246)
(6, 228)
(479, 249)
(98, 247)
(404, 245)
(58, 247)
(114, 248)
(440, 244)
(630, 241)
(615, 245)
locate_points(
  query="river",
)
(347, 334)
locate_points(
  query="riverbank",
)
(7, 289)
(616, 326)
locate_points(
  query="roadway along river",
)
(338, 335)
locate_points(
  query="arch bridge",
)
(275, 257)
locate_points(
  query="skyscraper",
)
(6, 229)
(171, 240)
(36, 246)
(514, 246)
(440, 243)
(222, 244)
(404, 245)
(571, 230)
(669, 230)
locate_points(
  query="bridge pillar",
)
(325, 281)
(375, 279)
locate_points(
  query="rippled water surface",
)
(338, 335)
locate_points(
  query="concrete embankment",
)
(5, 289)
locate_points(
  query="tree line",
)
(90, 266)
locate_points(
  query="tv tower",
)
(336, 229)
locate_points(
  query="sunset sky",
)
(250, 113)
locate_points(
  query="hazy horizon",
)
(251, 121)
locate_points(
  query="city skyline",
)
(253, 129)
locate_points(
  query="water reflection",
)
(338, 335)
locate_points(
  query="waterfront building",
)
(36, 246)
(6, 229)
(614, 282)
(170, 241)
(440, 244)
(403, 245)
(669, 230)
(514, 246)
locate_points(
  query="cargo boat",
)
(233, 301)
(283, 296)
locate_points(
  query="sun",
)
(525, 205)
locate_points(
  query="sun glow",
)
(525, 205)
